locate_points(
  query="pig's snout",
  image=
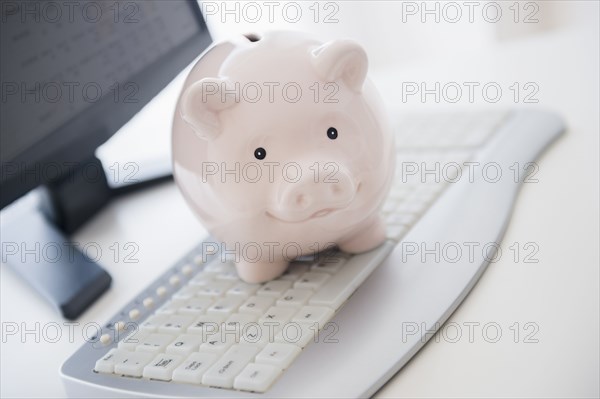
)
(314, 195)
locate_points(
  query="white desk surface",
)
(560, 294)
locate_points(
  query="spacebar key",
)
(341, 285)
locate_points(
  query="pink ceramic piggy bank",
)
(282, 148)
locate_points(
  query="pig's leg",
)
(259, 272)
(371, 236)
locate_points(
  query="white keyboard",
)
(198, 325)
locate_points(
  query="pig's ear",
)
(201, 104)
(343, 60)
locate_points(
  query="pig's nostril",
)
(253, 37)
(301, 200)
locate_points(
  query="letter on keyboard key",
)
(187, 292)
(225, 305)
(257, 305)
(206, 324)
(154, 343)
(278, 314)
(213, 289)
(243, 289)
(170, 307)
(294, 297)
(223, 372)
(256, 377)
(240, 320)
(280, 355)
(161, 367)
(133, 364)
(107, 363)
(131, 341)
(329, 264)
(175, 324)
(274, 288)
(221, 341)
(195, 306)
(184, 344)
(311, 280)
(192, 369)
(152, 323)
(294, 271)
(318, 315)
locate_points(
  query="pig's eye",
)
(260, 153)
(332, 133)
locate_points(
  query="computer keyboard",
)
(198, 325)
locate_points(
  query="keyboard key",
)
(278, 314)
(107, 363)
(257, 305)
(414, 207)
(318, 315)
(221, 341)
(202, 279)
(311, 280)
(131, 341)
(342, 284)
(329, 264)
(256, 377)
(225, 305)
(260, 333)
(240, 319)
(274, 288)
(161, 367)
(396, 232)
(294, 297)
(153, 322)
(223, 372)
(175, 324)
(298, 334)
(280, 355)
(294, 271)
(193, 368)
(133, 363)
(206, 324)
(154, 343)
(195, 306)
(214, 289)
(171, 307)
(230, 275)
(184, 344)
(401, 219)
(217, 267)
(187, 292)
(243, 289)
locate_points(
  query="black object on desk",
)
(70, 79)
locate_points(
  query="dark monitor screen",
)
(73, 73)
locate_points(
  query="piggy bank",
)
(282, 148)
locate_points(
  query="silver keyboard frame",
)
(370, 347)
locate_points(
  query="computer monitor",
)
(73, 73)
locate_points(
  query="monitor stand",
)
(35, 239)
